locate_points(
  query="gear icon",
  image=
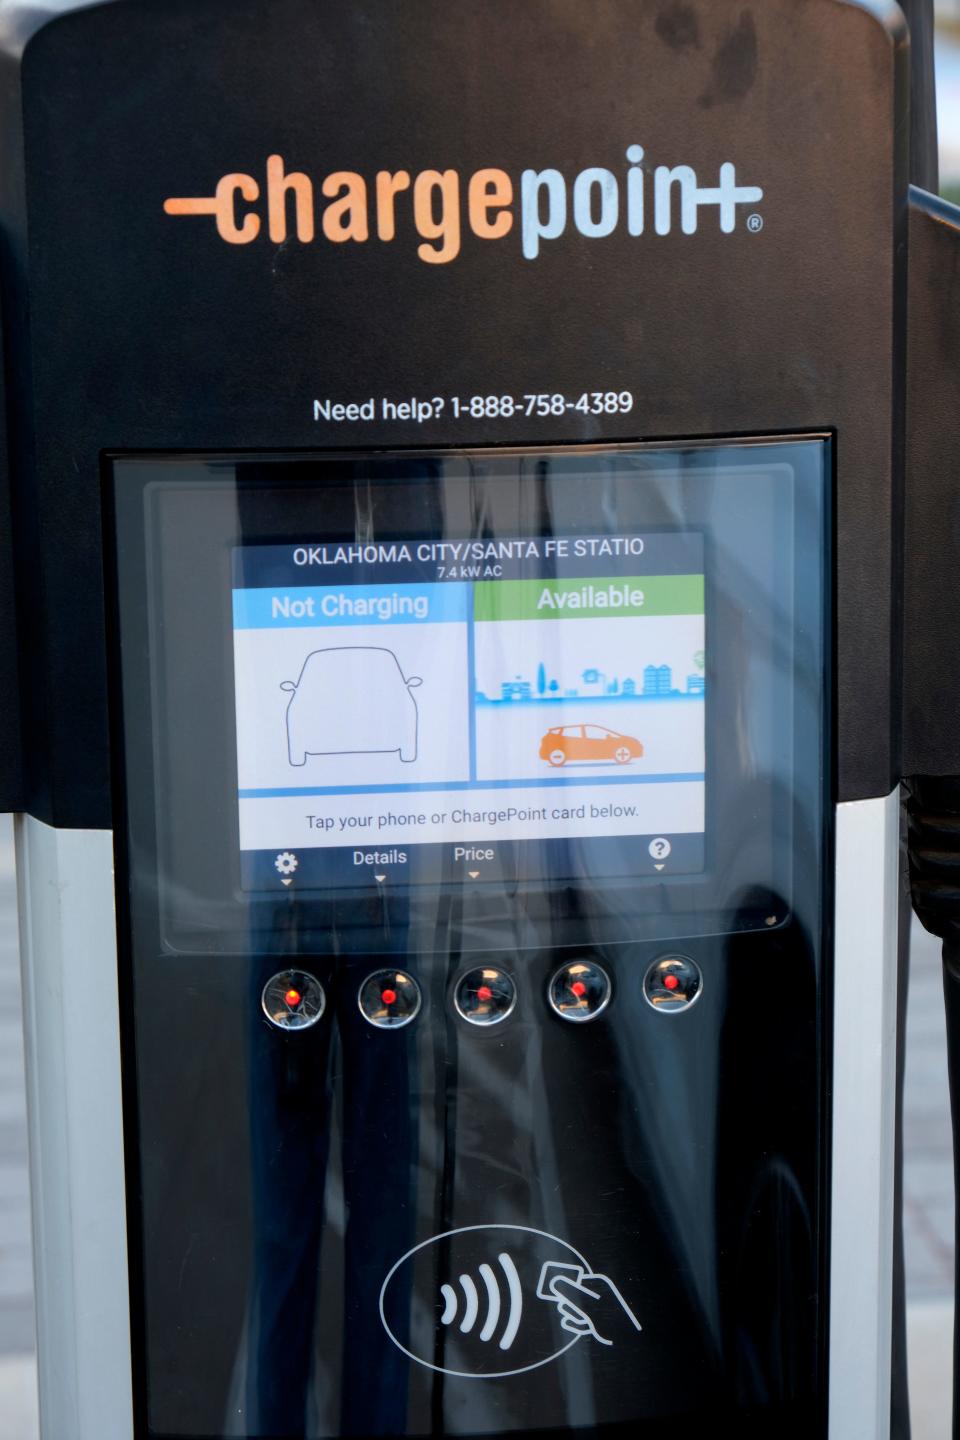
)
(286, 863)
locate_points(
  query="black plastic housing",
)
(128, 328)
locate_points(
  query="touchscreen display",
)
(538, 696)
(420, 710)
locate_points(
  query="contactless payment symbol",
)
(493, 1300)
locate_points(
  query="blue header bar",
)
(310, 607)
(409, 562)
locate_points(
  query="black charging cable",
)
(933, 842)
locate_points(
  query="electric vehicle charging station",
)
(457, 486)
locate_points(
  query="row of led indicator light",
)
(390, 999)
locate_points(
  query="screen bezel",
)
(228, 919)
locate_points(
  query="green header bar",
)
(587, 599)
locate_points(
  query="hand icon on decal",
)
(588, 1304)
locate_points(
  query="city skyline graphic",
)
(655, 682)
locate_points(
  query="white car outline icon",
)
(351, 700)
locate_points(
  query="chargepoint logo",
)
(436, 207)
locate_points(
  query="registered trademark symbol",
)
(755, 223)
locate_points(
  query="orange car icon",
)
(588, 742)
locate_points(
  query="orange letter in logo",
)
(222, 205)
(490, 190)
(446, 185)
(387, 187)
(346, 219)
(278, 184)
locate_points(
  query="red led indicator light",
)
(579, 989)
(670, 982)
(484, 993)
(389, 997)
(293, 998)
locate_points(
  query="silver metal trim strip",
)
(864, 1114)
(72, 1043)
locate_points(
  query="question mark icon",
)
(438, 404)
(660, 848)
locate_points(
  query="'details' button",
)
(672, 983)
(579, 991)
(389, 999)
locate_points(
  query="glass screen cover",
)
(412, 706)
(526, 694)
